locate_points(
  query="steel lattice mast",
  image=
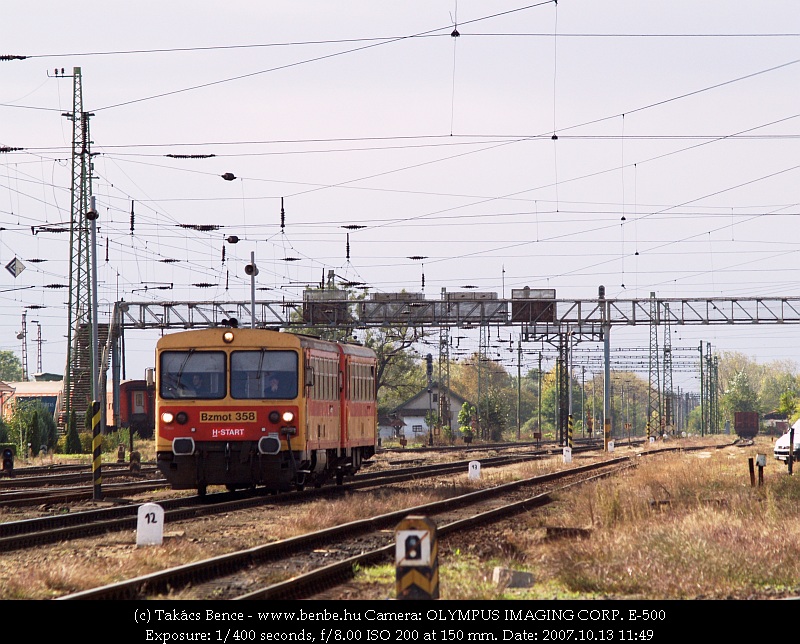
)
(80, 361)
(669, 396)
(483, 359)
(654, 389)
(23, 335)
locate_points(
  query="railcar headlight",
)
(227, 337)
(274, 416)
(288, 416)
(181, 418)
(167, 417)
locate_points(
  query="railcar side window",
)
(192, 374)
(263, 374)
(361, 379)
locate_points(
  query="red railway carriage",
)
(248, 407)
(136, 407)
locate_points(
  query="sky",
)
(649, 147)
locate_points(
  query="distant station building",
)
(48, 392)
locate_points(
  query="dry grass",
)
(675, 527)
(681, 526)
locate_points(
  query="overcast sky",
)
(674, 167)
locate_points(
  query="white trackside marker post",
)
(150, 525)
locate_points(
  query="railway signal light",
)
(8, 459)
(416, 559)
(413, 547)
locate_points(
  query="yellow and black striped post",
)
(97, 475)
(570, 425)
(417, 559)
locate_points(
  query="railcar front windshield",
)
(263, 374)
(192, 374)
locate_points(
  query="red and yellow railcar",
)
(249, 407)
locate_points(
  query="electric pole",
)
(38, 346)
(654, 388)
(80, 373)
(23, 335)
(668, 418)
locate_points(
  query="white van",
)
(781, 450)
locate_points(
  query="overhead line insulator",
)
(201, 227)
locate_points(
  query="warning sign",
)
(15, 267)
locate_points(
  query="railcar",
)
(257, 407)
(136, 407)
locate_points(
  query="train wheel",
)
(339, 478)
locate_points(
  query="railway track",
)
(199, 531)
(301, 566)
(124, 515)
(74, 483)
(308, 564)
(61, 483)
(24, 479)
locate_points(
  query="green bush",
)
(72, 442)
(30, 423)
(108, 442)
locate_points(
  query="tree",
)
(10, 367)
(788, 404)
(529, 398)
(778, 378)
(31, 422)
(491, 388)
(466, 415)
(768, 381)
(35, 436)
(494, 415)
(740, 395)
(549, 404)
(399, 374)
(72, 444)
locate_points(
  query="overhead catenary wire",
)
(157, 241)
